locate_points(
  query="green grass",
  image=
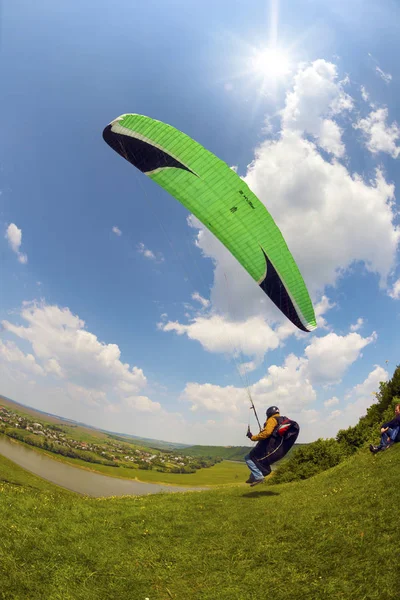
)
(333, 536)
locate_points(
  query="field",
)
(333, 536)
(95, 450)
(223, 473)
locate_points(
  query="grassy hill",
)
(226, 452)
(147, 442)
(85, 432)
(333, 536)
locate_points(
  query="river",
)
(76, 479)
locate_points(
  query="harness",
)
(280, 433)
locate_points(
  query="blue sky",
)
(114, 304)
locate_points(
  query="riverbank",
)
(81, 478)
(75, 479)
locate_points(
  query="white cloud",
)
(320, 309)
(380, 136)
(203, 301)
(335, 414)
(371, 383)
(364, 94)
(395, 290)
(214, 398)
(330, 356)
(89, 373)
(387, 78)
(288, 387)
(330, 138)
(142, 404)
(252, 337)
(291, 388)
(10, 353)
(362, 396)
(358, 325)
(331, 402)
(247, 367)
(14, 238)
(147, 253)
(343, 219)
(85, 374)
(91, 397)
(22, 258)
(116, 230)
(66, 350)
(317, 96)
(311, 416)
(53, 366)
(72, 373)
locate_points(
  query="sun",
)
(270, 63)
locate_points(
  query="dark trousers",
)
(263, 465)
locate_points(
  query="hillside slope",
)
(84, 430)
(333, 536)
(226, 452)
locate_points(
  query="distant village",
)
(111, 452)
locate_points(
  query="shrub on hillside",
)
(310, 459)
(353, 438)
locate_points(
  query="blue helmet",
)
(272, 410)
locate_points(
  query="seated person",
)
(390, 432)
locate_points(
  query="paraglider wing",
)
(222, 201)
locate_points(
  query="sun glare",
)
(270, 63)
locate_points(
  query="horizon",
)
(128, 435)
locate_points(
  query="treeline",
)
(219, 452)
(310, 459)
(202, 462)
(40, 442)
(147, 443)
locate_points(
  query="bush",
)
(310, 459)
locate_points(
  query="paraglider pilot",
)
(256, 460)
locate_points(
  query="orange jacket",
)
(269, 427)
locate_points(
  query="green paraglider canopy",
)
(222, 201)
